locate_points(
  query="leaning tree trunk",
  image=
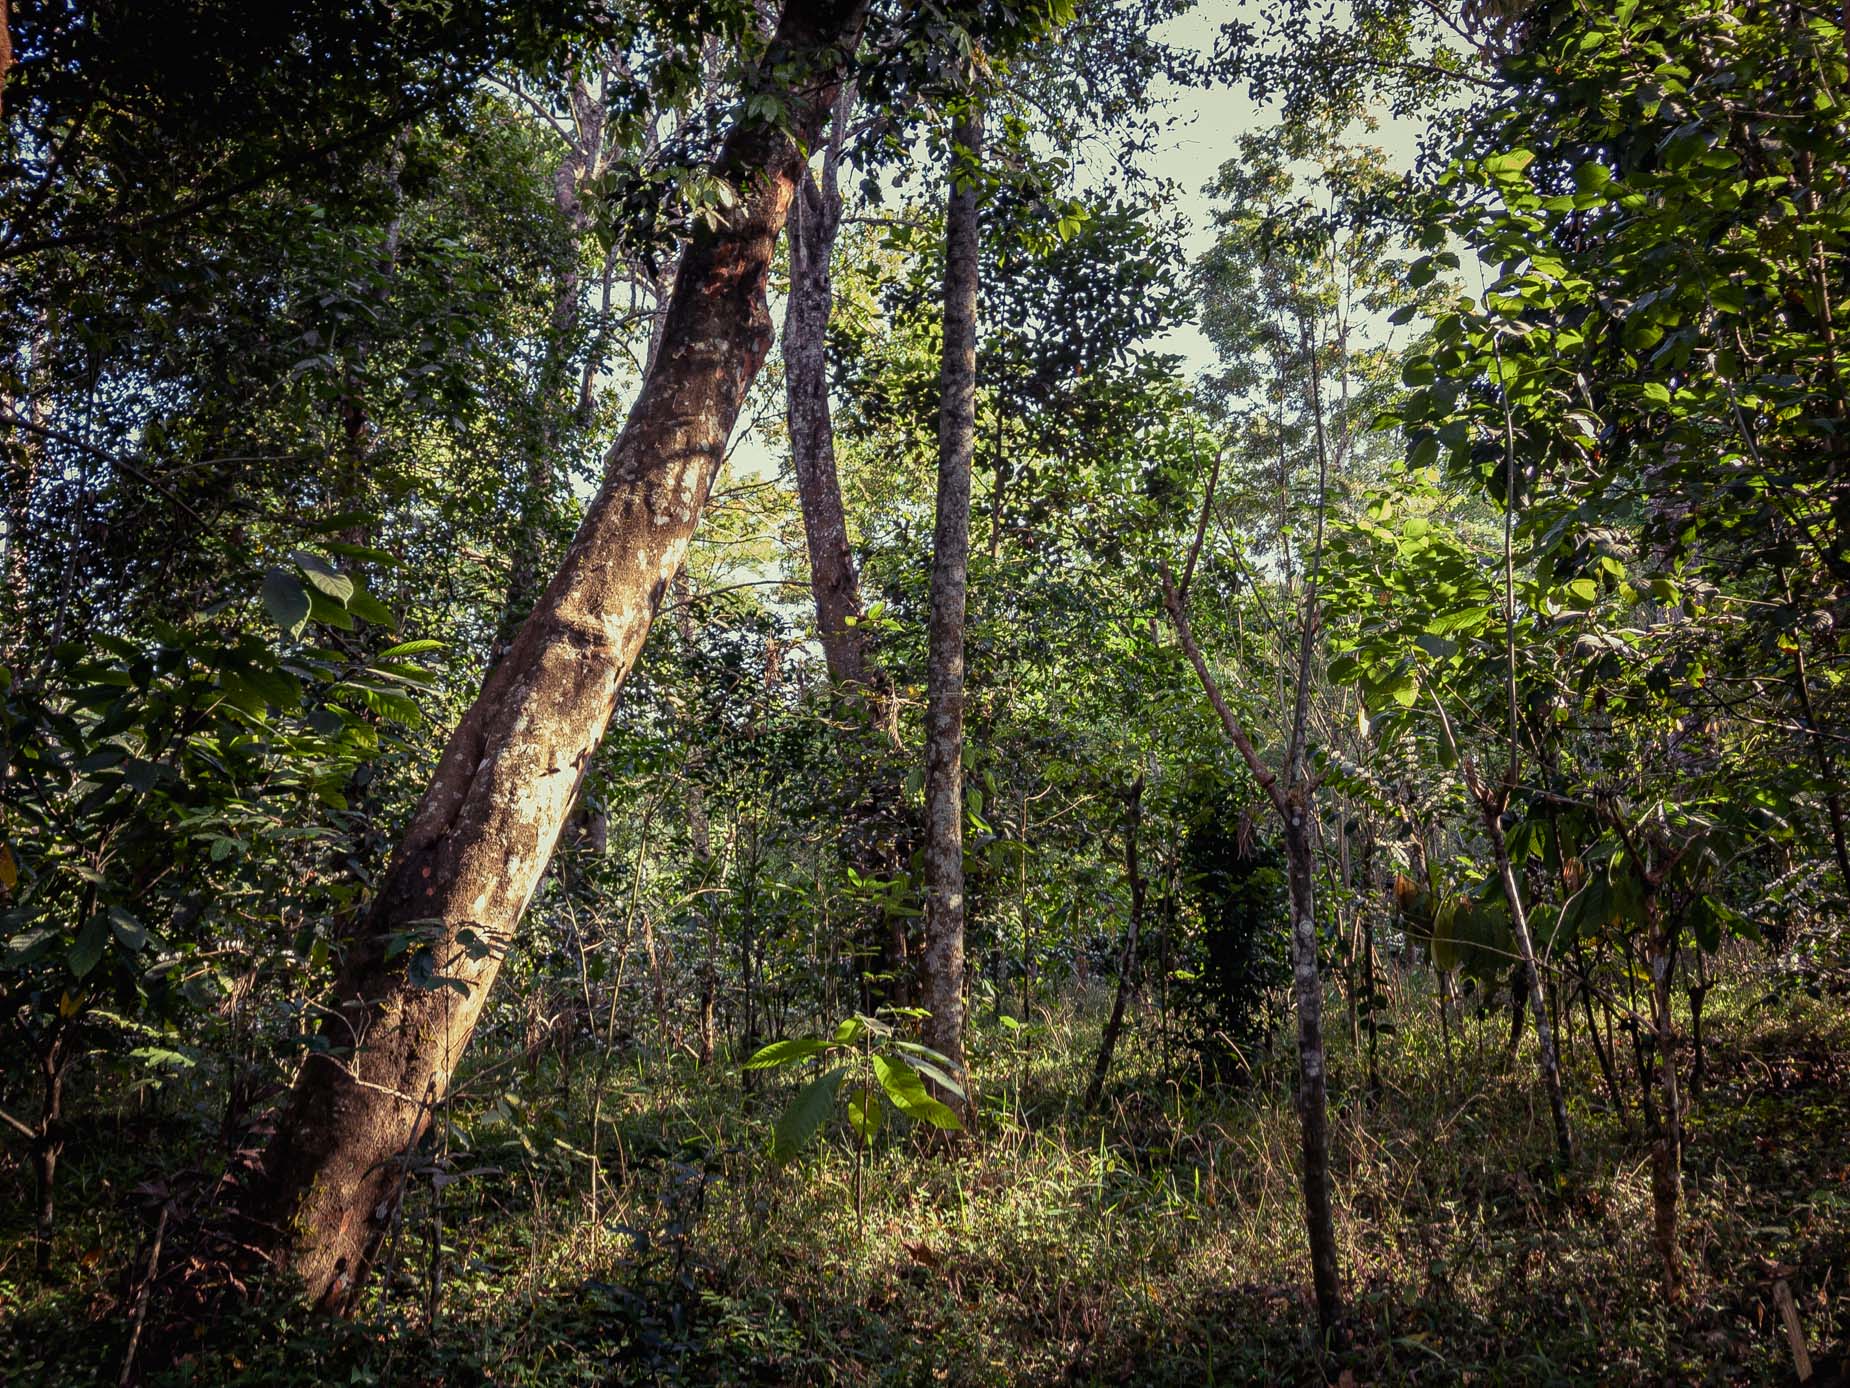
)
(815, 218)
(1127, 959)
(414, 981)
(942, 978)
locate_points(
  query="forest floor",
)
(1158, 1242)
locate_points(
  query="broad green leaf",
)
(914, 1048)
(128, 930)
(87, 952)
(328, 612)
(938, 1076)
(866, 1124)
(807, 1112)
(369, 609)
(907, 1091)
(286, 601)
(790, 1052)
(329, 581)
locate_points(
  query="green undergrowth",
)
(1157, 1241)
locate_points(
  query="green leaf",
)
(938, 1076)
(404, 648)
(278, 690)
(1509, 165)
(1591, 177)
(323, 576)
(28, 945)
(866, 1123)
(87, 952)
(907, 1091)
(1466, 620)
(807, 1112)
(369, 609)
(914, 1048)
(286, 601)
(1446, 955)
(128, 930)
(325, 610)
(156, 1056)
(791, 1052)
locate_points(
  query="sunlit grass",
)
(1157, 1241)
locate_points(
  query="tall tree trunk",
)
(1127, 960)
(482, 835)
(943, 964)
(700, 839)
(815, 216)
(1313, 1090)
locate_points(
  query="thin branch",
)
(1201, 524)
(1236, 733)
(95, 450)
(1307, 626)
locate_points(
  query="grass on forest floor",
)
(1158, 1241)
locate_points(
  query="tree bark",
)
(943, 964)
(700, 839)
(47, 1147)
(1531, 973)
(1667, 1144)
(1313, 1090)
(815, 216)
(1293, 808)
(413, 983)
(6, 48)
(1127, 960)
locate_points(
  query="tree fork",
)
(480, 839)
